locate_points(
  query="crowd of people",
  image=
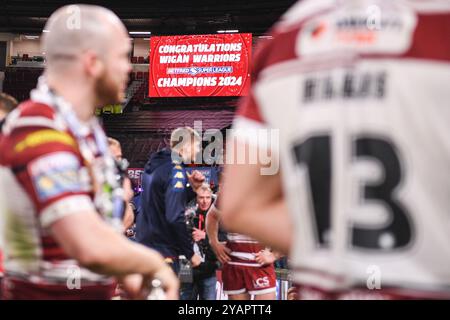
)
(174, 218)
(72, 182)
(360, 101)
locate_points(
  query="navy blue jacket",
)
(161, 224)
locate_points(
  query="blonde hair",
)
(181, 135)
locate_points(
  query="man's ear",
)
(93, 66)
(182, 150)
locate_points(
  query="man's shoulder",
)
(30, 108)
(32, 130)
(30, 115)
(163, 170)
(161, 175)
(33, 113)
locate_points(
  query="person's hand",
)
(221, 251)
(132, 286)
(265, 257)
(138, 287)
(198, 235)
(196, 260)
(169, 282)
(292, 293)
(196, 179)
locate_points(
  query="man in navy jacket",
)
(167, 188)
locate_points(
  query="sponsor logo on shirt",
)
(55, 174)
(370, 30)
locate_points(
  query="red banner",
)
(200, 65)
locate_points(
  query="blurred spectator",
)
(166, 193)
(122, 165)
(136, 206)
(204, 276)
(7, 103)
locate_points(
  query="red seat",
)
(140, 75)
(141, 60)
(134, 60)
